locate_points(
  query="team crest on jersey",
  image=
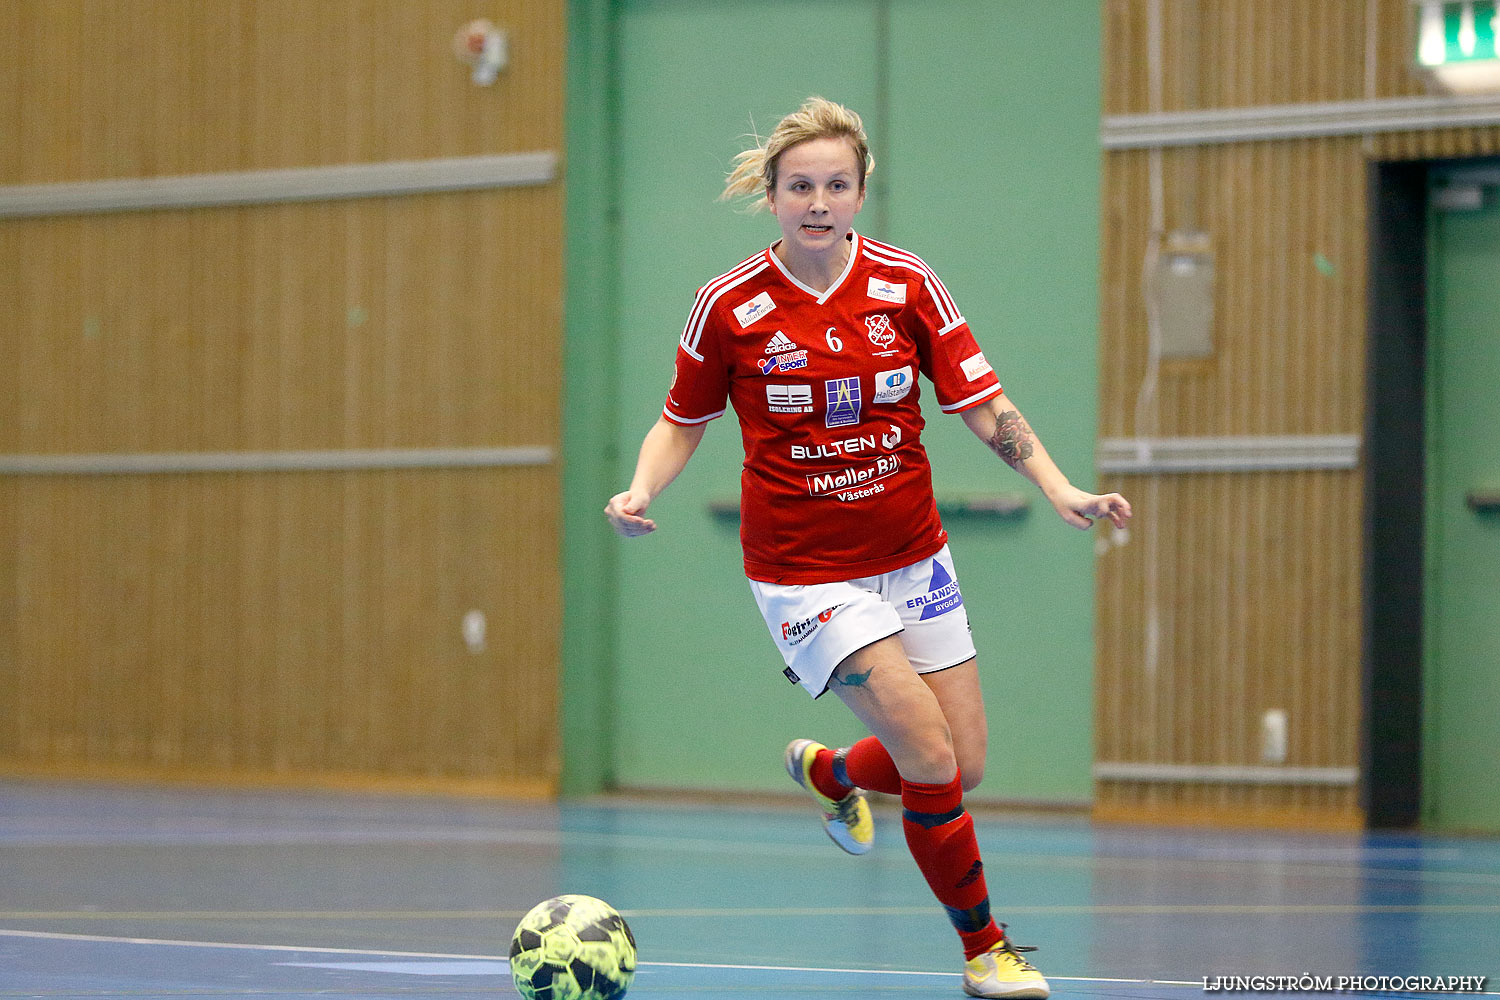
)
(843, 401)
(755, 309)
(881, 334)
(887, 291)
(783, 362)
(780, 344)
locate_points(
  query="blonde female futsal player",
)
(817, 342)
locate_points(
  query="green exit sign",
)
(1449, 32)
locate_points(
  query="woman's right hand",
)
(624, 512)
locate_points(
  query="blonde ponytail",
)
(748, 178)
(754, 170)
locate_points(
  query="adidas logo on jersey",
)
(779, 343)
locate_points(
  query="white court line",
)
(103, 939)
(557, 838)
(277, 837)
(744, 912)
(894, 972)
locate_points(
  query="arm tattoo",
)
(1012, 439)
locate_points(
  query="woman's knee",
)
(926, 757)
(969, 749)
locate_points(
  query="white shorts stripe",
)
(709, 294)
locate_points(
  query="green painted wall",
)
(1461, 668)
(984, 121)
(590, 402)
(995, 182)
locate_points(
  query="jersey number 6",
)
(834, 343)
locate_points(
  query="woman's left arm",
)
(1000, 425)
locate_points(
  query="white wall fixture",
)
(484, 48)
(1183, 283)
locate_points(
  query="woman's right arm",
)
(664, 453)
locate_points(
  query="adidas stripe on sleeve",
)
(700, 384)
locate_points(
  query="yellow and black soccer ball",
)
(572, 948)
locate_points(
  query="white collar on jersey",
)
(838, 282)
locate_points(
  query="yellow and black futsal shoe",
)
(847, 820)
(1002, 972)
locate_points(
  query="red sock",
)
(940, 834)
(823, 776)
(868, 764)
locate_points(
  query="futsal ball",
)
(572, 948)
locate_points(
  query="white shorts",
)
(817, 625)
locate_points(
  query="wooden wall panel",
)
(1289, 296)
(300, 624)
(1436, 144)
(163, 87)
(1253, 579)
(1241, 592)
(1228, 54)
(289, 625)
(396, 322)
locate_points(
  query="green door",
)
(1461, 669)
(698, 696)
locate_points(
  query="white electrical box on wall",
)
(1183, 285)
(1273, 736)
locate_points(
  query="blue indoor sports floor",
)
(115, 891)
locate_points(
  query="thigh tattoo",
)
(850, 679)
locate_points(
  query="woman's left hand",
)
(1080, 509)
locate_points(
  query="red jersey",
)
(836, 483)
